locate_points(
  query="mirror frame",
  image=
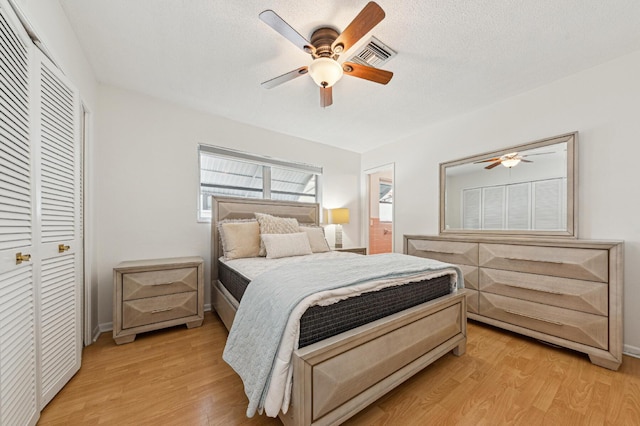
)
(572, 189)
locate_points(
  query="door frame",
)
(367, 197)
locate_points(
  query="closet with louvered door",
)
(58, 193)
(18, 397)
(40, 233)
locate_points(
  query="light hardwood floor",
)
(177, 377)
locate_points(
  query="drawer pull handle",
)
(534, 289)
(524, 259)
(442, 252)
(157, 311)
(533, 317)
(157, 284)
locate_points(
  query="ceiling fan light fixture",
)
(325, 72)
(510, 160)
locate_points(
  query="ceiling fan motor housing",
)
(322, 39)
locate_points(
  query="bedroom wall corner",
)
(147, 186)
(600, 103)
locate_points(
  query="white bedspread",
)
(266, 327)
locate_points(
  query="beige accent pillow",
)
(285, 245)
(316, 238)
(275, 225)
(239, 238)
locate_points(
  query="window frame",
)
(266, 162)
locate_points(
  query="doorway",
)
(380, 188)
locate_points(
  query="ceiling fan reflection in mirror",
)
(325, 48)
(509, 160)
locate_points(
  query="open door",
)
(380, 211)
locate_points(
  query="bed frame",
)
(337, 377)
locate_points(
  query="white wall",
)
(601, 103)
(147, 188)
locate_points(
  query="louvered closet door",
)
(58, 192)
(18, 316)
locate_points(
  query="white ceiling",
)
(453, 57)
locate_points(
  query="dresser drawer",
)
(472, 300)
(160, 308)
(470, 276)
(585, 296)
(458, 253)
(157, 283)
(581, 327)
(578, 263)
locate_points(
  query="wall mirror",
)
(528, 190)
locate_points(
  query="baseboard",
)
(207, 307)
(631, 351)
(106, 326)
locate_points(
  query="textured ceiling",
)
(453, 57)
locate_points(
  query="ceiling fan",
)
(325, 47)
(509, 160)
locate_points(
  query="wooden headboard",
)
(244, 208)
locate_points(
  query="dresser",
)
(565, 292)
(157, 293)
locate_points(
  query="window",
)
(385, 203)
(238, 174)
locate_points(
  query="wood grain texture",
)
(176, 376)
(565, 292)
(156, 293)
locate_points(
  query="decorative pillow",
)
(240, 238)
(316, 238)
(285, 245)
(275, 225)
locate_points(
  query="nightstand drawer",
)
(357, 250)
(157, 309)
(588, 329)
(579, 263)
(139, 285)
(585, 296)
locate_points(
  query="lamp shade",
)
(325, 71)
(339, 216)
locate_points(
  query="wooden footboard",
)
(337, 377)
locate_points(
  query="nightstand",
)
(358, 250)
(157, 293)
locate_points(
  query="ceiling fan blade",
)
(537, 153)
(488, 160)
(269, 84)
(369, 17)
(272, 19)
(326, 96)
(491, 166)
(368, 73)
(526, 161)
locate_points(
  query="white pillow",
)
(275, 225)
(240, 238)
(316, 238)
(285, 245)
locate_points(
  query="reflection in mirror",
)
(527, 189)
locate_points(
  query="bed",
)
(335, 375)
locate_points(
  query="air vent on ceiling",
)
(373, 53)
